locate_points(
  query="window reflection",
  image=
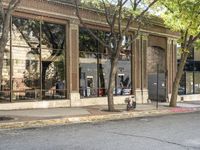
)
(52, 55)
(30, 53)
(88, 76)
(95, 66)
(123, 79)
(5, 81)
(25, 59)
(190, 81)
(53, 36)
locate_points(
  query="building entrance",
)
(156, 74)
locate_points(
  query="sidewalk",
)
(60, 116)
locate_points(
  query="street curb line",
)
(85, 119)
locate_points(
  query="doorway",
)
(156, 71)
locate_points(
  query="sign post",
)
(157, 85)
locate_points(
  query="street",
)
(173, 132)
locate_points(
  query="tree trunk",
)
(3, 42)
(113, 71)
(5, 17)
(2, 47)
(101, 80)
(45, 66)
(176, 82)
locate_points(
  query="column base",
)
(141, 96)
(75, 99)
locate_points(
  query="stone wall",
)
(155, 55)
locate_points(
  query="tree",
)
(182, 16)
(119, 15)
(5, 14)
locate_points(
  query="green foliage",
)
(182, 15)
(197, 45)
(113, 5)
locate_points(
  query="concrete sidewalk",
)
(60, 116)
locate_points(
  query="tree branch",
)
(185, 37)
(196, 38)
(2, 10)
(144, 11)
(86, 27)
(133, 37)
(106, 13)
(12, 5)
(167, 7)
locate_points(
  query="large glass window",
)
(190, 81)
(88, 64)
(25, 59)
(95, 67)
(52, 61)
(5, 81)
(123, 83)
(37, 63)
(103, 73)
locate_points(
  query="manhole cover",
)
(4, 118)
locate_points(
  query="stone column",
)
(171, 62)
(174, 59)
(144, 80)
(73, 62)
(133, 67)
(137, 70)
(140, 73)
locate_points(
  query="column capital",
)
(169, 40)
(144, 36)
(74, 22)
(175, 41)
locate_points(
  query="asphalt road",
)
(175, 132)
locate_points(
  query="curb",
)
(92, 118)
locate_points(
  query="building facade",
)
(51, 59)
(190, 82)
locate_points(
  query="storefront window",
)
(95, 67)
(190, 81)
(88, 64)
(123, 81)
(37, 63)
(52, 61)
(5, 82)
(25, 59)
(103, 72)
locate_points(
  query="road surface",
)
(174, 132)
